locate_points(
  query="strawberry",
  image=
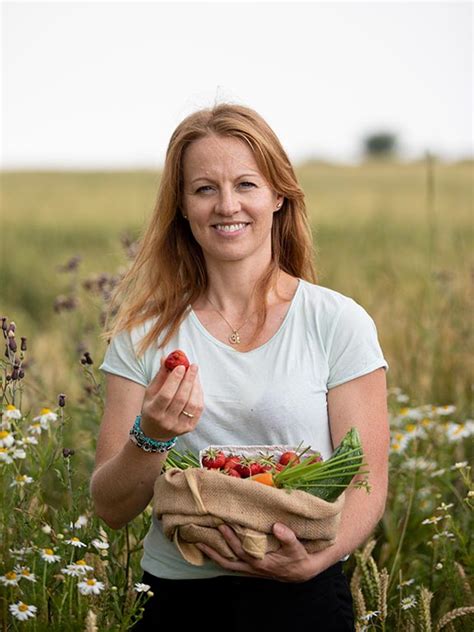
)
(233, 472)
(213, 459)
(289, 458)
(231, 461)
(248, 467)
(176, 358)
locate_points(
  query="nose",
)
(227, 202)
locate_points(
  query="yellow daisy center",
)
(20, 477)
(81, 563)
(3, 449)
(3, 434)
(74, 539)
(411, 427)
(403, 411)
(23, 607)
(25, 572)
(10, 407)
(45, 411)
(90, 582)
(11, 575)
(48, 551)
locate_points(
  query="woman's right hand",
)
(167, 395)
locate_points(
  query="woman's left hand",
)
(290, 563)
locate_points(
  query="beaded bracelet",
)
(148, 444)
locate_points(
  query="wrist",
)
(146, 443)
(149, 431)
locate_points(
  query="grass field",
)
(395, 237)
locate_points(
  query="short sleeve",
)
(120, 358)
(353, 348)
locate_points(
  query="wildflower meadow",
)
(396, 240)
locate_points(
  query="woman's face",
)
(228, 202)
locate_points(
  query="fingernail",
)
(180, 371)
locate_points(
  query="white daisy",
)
(24, 573)
(406, 582)
(459, 466)
(45, 417)
(46, 529)
(90, 586)
(6, 439)
(49, 556)
(443, 534)
(445, 410)
(80, 522)
(432, 520)
(20, 480)
(11, 412)
(18, 454)
(20, 553)
(402, 398)
(141, 587)
(370, 615)
(408, 602)
(419, 463)
(5, 456)
(100, 545)
(35, 428)
(22, 611)
(10, 579)
(75, 542)
(77, 569)
(28, 440)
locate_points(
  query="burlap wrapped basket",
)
(192, 503)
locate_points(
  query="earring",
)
(185, 216)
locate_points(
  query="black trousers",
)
(236, 603)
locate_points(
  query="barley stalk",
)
(382, 605)
(91, 622)
(453, 614)
(359, 602)
(464, 580)
(424, 609)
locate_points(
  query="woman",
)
(225, 273)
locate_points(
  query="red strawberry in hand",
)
(176, 358)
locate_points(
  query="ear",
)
(279, 202)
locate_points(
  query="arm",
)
(361, 402)
(123, 480)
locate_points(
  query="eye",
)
(251, 183)
(202, 188)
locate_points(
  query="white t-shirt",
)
(274, 394)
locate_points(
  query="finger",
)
(286, 536)
(230, 565)
(234, 543)
(165, 395)
(195, 402)
(183, 393)
(159, 378)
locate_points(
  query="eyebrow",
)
(243, 175)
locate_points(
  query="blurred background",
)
(371, 100)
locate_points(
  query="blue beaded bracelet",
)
(147, 443)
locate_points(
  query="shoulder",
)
(328, 302)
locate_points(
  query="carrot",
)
(265, 477)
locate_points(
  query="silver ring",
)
(184, 412)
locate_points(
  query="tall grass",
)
(396, 237)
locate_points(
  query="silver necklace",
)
(234, 337)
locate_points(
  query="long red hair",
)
(168, 273)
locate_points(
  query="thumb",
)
(284, 533)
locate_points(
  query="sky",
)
(89, 85)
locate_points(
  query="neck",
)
(231, 288)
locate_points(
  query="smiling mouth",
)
(230, 228)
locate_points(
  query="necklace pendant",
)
(234, 338)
